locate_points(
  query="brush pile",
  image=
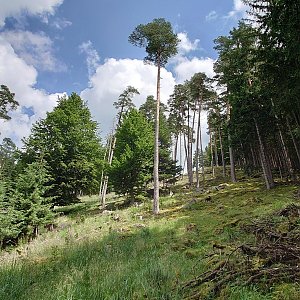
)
(272, 257)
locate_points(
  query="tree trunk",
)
(293, 139)
(216, 150)
(231, 154)
(231, 158)
(189, 148)
(156, 146)
(197, 148)
(222, 154)
(105, 183)
(175, 148)
(264, 162)
(212, 155)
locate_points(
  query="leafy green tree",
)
(161, 44)
(9, 155)
(167, 166)
(67, 140)
(24, 205)
(124, 102)
(132, 164)
(124, 105)
(7, 102)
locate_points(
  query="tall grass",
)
(122, 256)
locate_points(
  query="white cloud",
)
(239, 10)
(31, 7)
(21, 78)
(185, 45)
(110, 80)
(186, 68)
(92, 56)
(35, 48)
(60, 23)
(211, 16)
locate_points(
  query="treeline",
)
(258, 73)
(59, 161)
(253, 116)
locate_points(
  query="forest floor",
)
(228, 241)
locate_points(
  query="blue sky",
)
(51, 47)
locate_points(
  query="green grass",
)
(130, 254)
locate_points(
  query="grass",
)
(130, 254)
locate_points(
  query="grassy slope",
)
(133, 255)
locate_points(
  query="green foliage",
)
(133, 159)
(24, 206)
(167, 166)
(7, 102)
(67, 140)
(158, 39)
(124, 102)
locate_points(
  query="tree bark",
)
(156, 146)
(222, 153)
(293, 139)
(197, 147)
(232, 162)
(216, 150)
(189, 148)
(264, 161)
(212, 155)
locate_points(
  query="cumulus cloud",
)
(92, 56)
(21, 78)
(239, 10)
(186, 68)
(31, 7)
(110, 80)
(185, 44)
(35, 48)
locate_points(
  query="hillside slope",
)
(211, 244)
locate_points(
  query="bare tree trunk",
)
(108, 145)
(279, 165)
(105, 183)
(222, 154)
(197, 149)
(293, 139)
(232, 162)
(176, 148)
(156, 146)
(264, 162)
(180, 153)
(216, 149)
(212, 155)
(231, 154)
(284, 148)
(189, 149)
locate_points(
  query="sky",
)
(51, 48)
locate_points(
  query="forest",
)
(162, 215)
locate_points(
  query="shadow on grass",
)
(120, 266)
